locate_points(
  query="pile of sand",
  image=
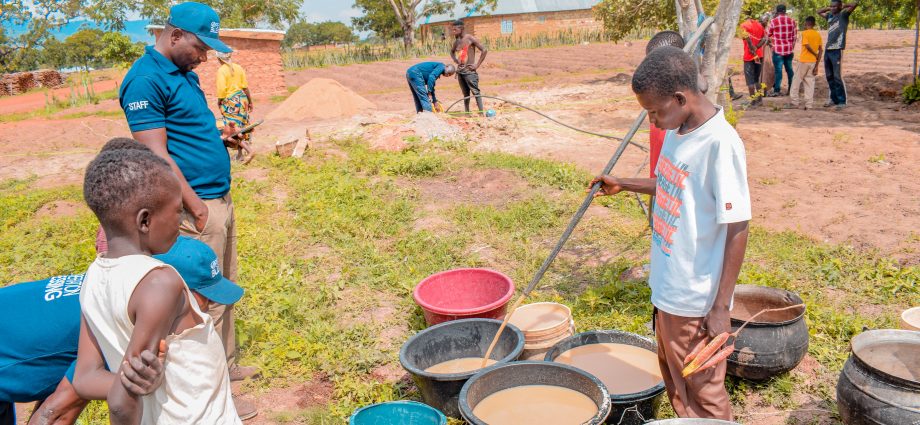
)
(321, 98)
(429, 126)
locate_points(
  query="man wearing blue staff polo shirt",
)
(40, 328)
(167, 111)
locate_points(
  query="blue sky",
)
(312, 11)
(328, 10)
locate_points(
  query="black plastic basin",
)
(517, 374)
(627, 409)
(453, 340)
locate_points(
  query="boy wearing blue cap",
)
(130, 300)
(166, 110)
(37, 362)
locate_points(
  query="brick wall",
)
(529, 23)
(260, 58)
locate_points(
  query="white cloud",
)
(328, 10)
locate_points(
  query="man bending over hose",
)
(422, 79)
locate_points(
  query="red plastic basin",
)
(463, 294)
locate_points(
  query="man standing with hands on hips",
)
(167, 111)
(464, 55)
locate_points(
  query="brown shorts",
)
(701, 395)
(220, 234)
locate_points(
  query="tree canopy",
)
(118, 50)
(83, 48)
(377, 16)
(624, 17)
(388, 18)
(312, 34)
(41, 17)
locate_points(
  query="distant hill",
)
(134, 29)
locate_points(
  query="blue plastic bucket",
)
(398, 413)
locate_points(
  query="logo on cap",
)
(215, 27)
(215, 268)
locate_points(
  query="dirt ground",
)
(36, 100)
(845, 177)
(838, 176)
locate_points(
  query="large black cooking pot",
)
(774, 342)
(880, 382)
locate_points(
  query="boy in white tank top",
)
(130, 301)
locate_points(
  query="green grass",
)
(281, 97)
(104, 114)
(326, 240)
(394, 50)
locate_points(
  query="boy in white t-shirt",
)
(700, 225)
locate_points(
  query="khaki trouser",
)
(701, 395)
(803, 72)
(220, 234)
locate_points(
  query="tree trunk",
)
(917, 41)
(408, 26)
(717, 41)
(687, 14)
(408, 35)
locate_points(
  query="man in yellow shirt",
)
(807, 68)
(234, 100)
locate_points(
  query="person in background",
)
(422, 79)
(838, 19)
(807, 68)
(766, 70)
(166, 111)
(782, 32)
(655, 134)
(234, 101)
(700, 225)
(464, 55)
(752, 33)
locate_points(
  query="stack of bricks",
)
(48, 78)
(257, 51)
(21, 82)
(17, 83)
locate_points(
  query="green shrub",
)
(375, 52)
(911, 93)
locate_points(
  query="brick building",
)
(516, 18)
(257, 51)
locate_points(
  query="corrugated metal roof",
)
(511, 7)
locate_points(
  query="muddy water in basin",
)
(623, 368)
(536, 404)
(462, 365)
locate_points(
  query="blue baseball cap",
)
(198, 266)
(201, 20)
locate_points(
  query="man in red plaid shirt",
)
(782, 31)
